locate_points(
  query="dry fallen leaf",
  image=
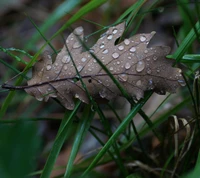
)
(135, 66)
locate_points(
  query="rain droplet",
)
(148, 71)
(121, 47)
(129, 57)
(123, 77)
(83, 59)
(76, 95)
(145, 51)
(126, 41)
(114, 31)
(118, 62)
(49, 56)
(133, 49)
(65, 67)
(65, 59)
(102, 93)
(76, 45)
(142, 38)
(139, 83)
(109, 37)
(140, 66)
(101, 46)
(158, 70)
(56, 64)
(78, 31)
(48, 67)
(105, 51)
(155, 58)
(115, 55)
(79, 68)
(127, 65)
(148, 59)
(111, 68)
(89, 69)
(182, 82)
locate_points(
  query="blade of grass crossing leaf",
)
(84, 10)
(118, 131)
(58, 143)
(40, 32)
(82, 129)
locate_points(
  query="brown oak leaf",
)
(136, 67)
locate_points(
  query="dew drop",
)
(48, 67)
(126, 41)
(145, 51)
(133, 49)
(56, 64)
(105, 51)
(127, 65)
(114, 31)
(140, 66)
(79, 68)
(182, 82)
(76, 45)
(65, 59)
(76, 95)
(101, 46)
(148, 59)
(83, 59)
(78, 31)
(121, 47)
(123, 77)
(111, 68)
(155, 58)
(118, 62)
(49, 56)
(142, 38)
(139, 83)
(65, 67)
(109, 37)
(158, 70)
(148, 71)
(115, 55)
(89, 69)
(102, 93)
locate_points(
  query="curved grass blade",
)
(119, 130)
(60, 138)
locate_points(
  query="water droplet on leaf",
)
(121, 47)
(127, 65)
(115, 55)
(123, 77)
(133, 49)
(142, 38)
(48, 67)
(105, 51)
(140, 66)
(126, 41)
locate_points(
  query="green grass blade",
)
(118, 131)
(60, 138)
(196, 171)
(82, 129)
(185, 44)
(64, 8)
